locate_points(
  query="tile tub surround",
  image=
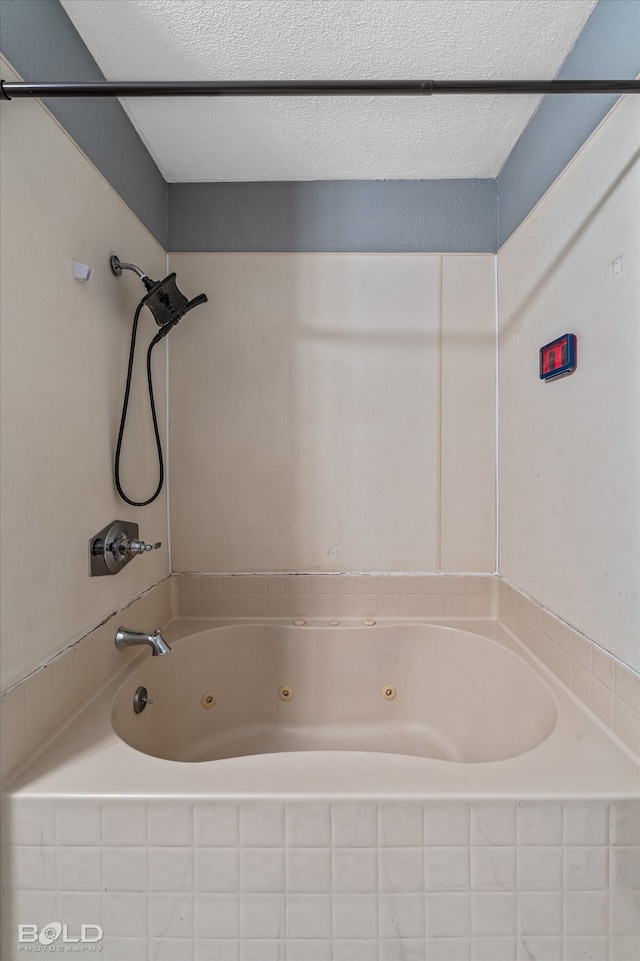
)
(610, 688)
(235, 880)
(39, 706)
(336, 595)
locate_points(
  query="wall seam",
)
(497, 414)
(438, 544)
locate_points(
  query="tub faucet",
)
(127, 638)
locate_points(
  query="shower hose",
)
(125, 405)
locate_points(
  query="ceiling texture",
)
(330, 138)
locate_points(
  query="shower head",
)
(164, 300)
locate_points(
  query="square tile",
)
(625, 912)
(625, 823)
(540, 869)
(354, 824)
(586, 869)
(209, 585)
(262, 869)
(344, 584)
(32, 821)
(401, 915)
(493, 915)
(212, 605)
(355, 870)
(625, 948)
(308, 824)
(401, 870)
(262, 916)
(309, 916)
(217, 869)
(124, 869)
(586, 912)
(262, 824)
(539, 914)
(124, 914)
(447, 869)
(493, 869)
(33, 868)
(355, 916)
(170, 869)
(586, 823)
(493, 823)
(603, 667)
(78, 822)
(216, 823)
(79, 868)
(37, 907)
(216, 916)
(447, 823)
(309, 871)
(448, 915)
(401, 825)
(124, 824)
(170, 915)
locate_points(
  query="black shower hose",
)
(125, 404)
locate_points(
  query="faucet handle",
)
(139, 547)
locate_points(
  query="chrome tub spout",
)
(127, 638)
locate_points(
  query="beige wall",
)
(334, 412)
(570, 449)
(64, 356)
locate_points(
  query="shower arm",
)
(10, 90)
(117, 267)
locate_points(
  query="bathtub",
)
(391, 709)
(418, 690)
(323, 792)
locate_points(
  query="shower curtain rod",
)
(12, 90)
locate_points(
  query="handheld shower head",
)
(167, 304)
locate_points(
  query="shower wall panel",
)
(64, 359)
(334, 412)
(570, 448)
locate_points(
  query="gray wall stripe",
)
(342, 215)
(608, 48)
(40, 42)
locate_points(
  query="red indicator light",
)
(558, 357)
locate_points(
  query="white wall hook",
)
(81, 271)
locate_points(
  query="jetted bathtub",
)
(420, 690)
(322, 710)
(328, 791)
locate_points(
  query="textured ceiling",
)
(329, 138)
